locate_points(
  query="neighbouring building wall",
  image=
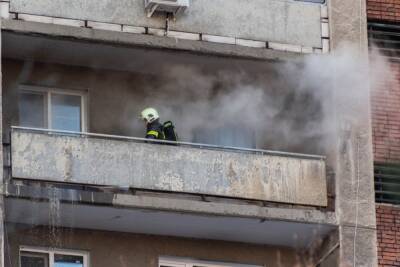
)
(385, 103)
(118, 249)
(388, 231)
(388, 10)
(385, 99)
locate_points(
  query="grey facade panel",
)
(98, 161)
(286, 22)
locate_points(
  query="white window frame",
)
(47, 91)
(52, 251)
(183, 262)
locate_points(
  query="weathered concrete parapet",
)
(124, 163)
(281, 22)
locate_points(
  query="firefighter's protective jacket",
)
(155, 130)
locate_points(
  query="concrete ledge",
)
(144, 40)
(169, 202)
(225, 209)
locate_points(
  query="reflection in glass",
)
(66, 112)
(32, 109)
(31, 259)
(67, 261)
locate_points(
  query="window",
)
(52, 108)
(41, 257)
(33, 259)
(384, 38)
(313, 1)
(229, 135)
(387, 183)
(176, 262)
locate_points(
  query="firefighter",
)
(154, 127)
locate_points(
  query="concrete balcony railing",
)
(285, 22)
(96, 159)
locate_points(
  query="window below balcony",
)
(177, 262)
(52, 108)
(41, 257)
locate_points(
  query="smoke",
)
(286, 106)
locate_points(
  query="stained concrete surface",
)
(128, 219)
(139, 40)
(288, 22)
(359, 242)
(355, 201)
(85, 160)
(178, 203)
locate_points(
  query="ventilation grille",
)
(385, 39)
(387, 183)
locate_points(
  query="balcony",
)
(122, 162)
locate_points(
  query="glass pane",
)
(30, 259)
(313, 1)
(32, 109)
(68, 261)
(227, 136)
(66, 112)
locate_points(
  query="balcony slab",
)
(129, 164)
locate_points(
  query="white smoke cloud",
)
(288, 107)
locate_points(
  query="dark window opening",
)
(387, 183)
(385, 39)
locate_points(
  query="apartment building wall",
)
(385, 102)
(352, 146)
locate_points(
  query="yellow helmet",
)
(149, 115)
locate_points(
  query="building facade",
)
(259, 178)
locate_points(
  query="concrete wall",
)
(353, 147)
(355, 200)
(86, 160)
(124, 249)
(287, 22)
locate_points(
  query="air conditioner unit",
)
(168, 6)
